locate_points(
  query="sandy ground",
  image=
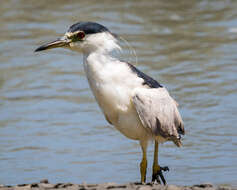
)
(45, 185)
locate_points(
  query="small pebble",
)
(57, 185)
(145, 187)
(173, 187)
(44, 181)
(34, 185)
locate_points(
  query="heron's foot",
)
(157, 174)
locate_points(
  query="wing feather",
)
(158, 112)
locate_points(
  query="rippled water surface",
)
(50, 124)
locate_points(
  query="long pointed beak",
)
(55, 44)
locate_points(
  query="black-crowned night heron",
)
(137, 105)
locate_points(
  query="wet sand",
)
(45, 185)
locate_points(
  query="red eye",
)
(81, 35)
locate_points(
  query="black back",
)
(88, 27)
(147, 80)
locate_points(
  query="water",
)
(50, 124)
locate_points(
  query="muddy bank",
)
(45, 185)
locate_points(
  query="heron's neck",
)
(101, 55)
(98, 52)
(98, 59)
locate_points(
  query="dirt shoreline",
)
(45, 185)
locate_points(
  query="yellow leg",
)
(156, 167)
(157, 170)
(143, 164)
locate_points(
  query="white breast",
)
(112, 83)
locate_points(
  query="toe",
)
(160, 174)
(165, 168)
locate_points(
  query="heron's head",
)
(85, 37)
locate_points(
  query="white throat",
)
(97, 53)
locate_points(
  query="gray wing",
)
(159, 113)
